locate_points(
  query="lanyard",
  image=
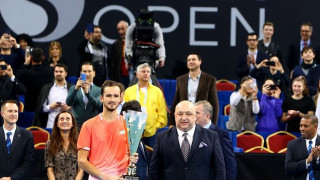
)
(145, 95)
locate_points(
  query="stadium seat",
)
(72, 79)
(39, 135)
(258, 149)
(283, 150)
(248, 139)
(225, 85)
(41, 145)
(279, 140)
(226, 110)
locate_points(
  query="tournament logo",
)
(32, 17)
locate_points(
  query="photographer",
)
(271, 69)
(270, 108)
(10, 51)
(244, 106)
(144, 43)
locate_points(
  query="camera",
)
(270, 63)
(272, 87)
(3, 67)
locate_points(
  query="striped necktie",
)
(8, 142)
(310, 171)
(185, 147)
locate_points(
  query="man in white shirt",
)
(52, 98)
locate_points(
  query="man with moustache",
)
(103, 149)
(52, 98)
(17, 151)
(118, 71)
(187, 151)
(303, 154)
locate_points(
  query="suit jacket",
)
(18, 164)
(206, 91)
(242, 68)
(228, 154)
(205, 160)
(81, 111)
(294, 54)
(296, 156)
(143, 162)
(10, 90)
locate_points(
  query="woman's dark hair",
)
(56, 140)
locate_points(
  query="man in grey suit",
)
(188, 151)
(302, 158)
(84, 97)
(16, 145)
(196, 86)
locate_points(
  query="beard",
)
(111, 108)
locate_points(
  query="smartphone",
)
(83, 76)
(270, 63)
(90, 28)
(59, 103)
(272, 87)
(27, 52)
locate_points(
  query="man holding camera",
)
(84, 97)
(248, 60)
(13, 56)
(52, 98)
(10, 86)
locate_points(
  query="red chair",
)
(279, 140)
(283, 150)
(226, 110)
(41, 145)
(248, 139)
(225, 85)
(258, 149)
(39, 135)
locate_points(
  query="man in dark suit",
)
(117, 70)
(16, 152)
(249, 59)
(294, 52)
(34, 74)
(303, 153)
(187, 151)
(196, 86)
(204, 113)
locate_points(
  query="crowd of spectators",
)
(66, 108)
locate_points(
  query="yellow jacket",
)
(155, 105)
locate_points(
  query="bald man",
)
(118, 72)
(187, 151)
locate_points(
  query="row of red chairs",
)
(252, 142)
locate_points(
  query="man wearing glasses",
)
(294, 53)
(248, 60)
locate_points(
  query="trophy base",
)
(126, 177)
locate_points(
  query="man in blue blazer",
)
(298, 160)
(204, 114)
(187, 151)
(17, 151)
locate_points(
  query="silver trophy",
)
(135, 122)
